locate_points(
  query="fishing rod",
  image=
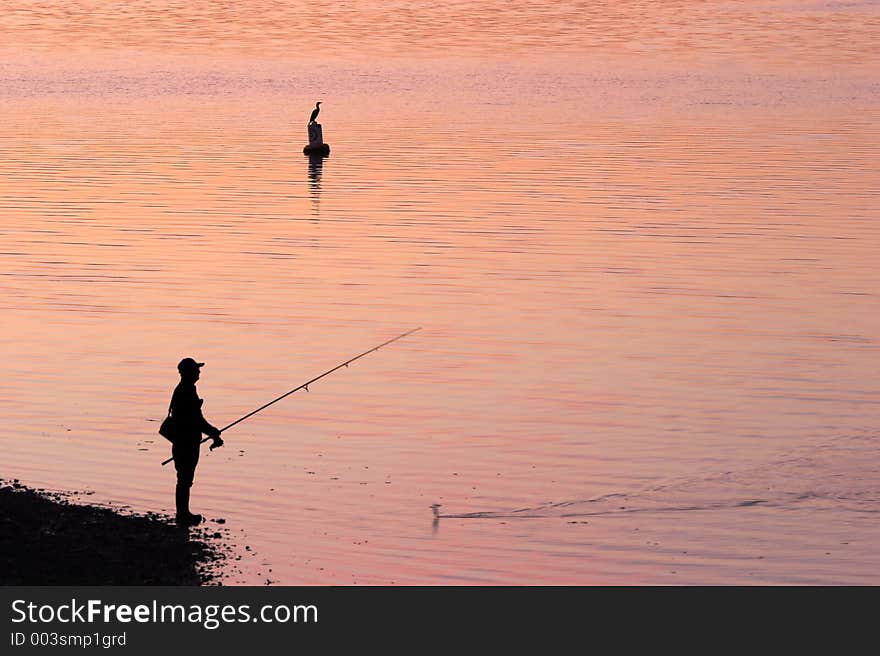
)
(305, 386)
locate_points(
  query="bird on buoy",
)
(315, 112)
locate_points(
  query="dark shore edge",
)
(51, 538)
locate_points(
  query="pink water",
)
(640, 238)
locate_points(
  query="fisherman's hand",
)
(215, 437)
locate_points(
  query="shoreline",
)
(49, 538)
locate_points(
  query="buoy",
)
(316, 141)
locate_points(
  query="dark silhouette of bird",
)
(315, 112)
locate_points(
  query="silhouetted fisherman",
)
(186, 409)
(315, 112)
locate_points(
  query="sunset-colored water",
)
(640, 238)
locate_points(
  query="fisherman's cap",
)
(188, 364)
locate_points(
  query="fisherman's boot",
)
(184, 516)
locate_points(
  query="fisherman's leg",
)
(181, 499)
(185, 472)
(185, 462)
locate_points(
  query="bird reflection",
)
(435, 507)
(316, 164)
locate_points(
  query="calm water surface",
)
(640, 237)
